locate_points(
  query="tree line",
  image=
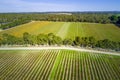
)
(9, 20)
(51, 39)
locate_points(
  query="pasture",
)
(58, 65)
(68, 29)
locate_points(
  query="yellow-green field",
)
(68, 29)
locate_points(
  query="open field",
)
(99, 31)
(58, 65)
(68, 29)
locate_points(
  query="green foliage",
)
(32, 39)
(51, 39)
(12, 24)
(12, 20)
(114, 18)
(118, 20)
(58, 65)
(42, 39)
(26, 37)
(10, 40)
(107, 44)
(92, 42)
(57, 40)
(67, 41)
(85, 41)
(77, 41)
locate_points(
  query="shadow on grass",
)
(118, 25)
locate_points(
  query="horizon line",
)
(57, 11)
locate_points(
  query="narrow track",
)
(60, 48)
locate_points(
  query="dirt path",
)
(60, 48)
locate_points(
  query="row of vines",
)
(58, 65)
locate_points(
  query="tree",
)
(11, 20)
(92, 42)
(77, 41)
(67, 41)
(114, 19)
(84, 41)
(118, 22)
(26, 37)
(10, 39)
(51, 39)
(19, 41)
(57, 40)
(42, 39)
(32, 39)
(4, 39)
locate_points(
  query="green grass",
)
(99, 31)
(102, 31)
(58, 65)
(68, 29)
(63, 30)
(75, 29)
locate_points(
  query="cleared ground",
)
(68, 29)
(58, 65)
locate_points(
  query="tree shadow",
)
(118, 25)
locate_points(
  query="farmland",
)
(68, 29)
(58, 65)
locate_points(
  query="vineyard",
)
(58, 65)
(67, 29)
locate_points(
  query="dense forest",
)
(8, 20)
(51, 39)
